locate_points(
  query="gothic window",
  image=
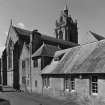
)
(9, 58)
(10, 54)
(61, 19)
(56, 32)
(60, 34)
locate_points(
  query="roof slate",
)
(59, 41)
(45, 50)
(98, 37)
(22, 31)
(88, 58)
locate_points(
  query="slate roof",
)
(88, 58)
(45, 38)
(98, 37)
(45, 50)
(22, 31)
(57, 41)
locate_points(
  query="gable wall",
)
(24, 73)
(11, 34)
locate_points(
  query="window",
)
(60, 34)
(46, 82)
(35, 83)
(58, 58)
(23, 65)
(43, 80)
(10, 54)
(35, 63)
(69, 84)
(23, 79)
(9, 58)
(72, 83)
(94, 84)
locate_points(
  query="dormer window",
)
(58, 58)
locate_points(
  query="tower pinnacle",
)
(66, 8)
(11, 22)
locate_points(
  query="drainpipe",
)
(30, 48)
(1, 76)
(42, 85)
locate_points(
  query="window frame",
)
(94, 85)
(72, 80)
(69, 83)
(58, 58)
(46, 82)
(10, 49)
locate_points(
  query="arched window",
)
(60, 34)
(10, 54)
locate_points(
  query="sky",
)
(41, 15)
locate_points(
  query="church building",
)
(28, 52)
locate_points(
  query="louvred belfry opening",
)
(66, 27)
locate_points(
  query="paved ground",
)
(21, 98)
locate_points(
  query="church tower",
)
(66, 28)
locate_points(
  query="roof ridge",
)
(21, 28)
(59, 39)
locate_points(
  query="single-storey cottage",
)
(78, 70)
